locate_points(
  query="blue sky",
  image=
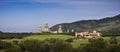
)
(28, 15)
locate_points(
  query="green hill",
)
(109, 24)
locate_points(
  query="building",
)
(60, 29)
(94, 34)
(46, 28)
(39, 30)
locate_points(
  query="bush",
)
(14, 35)
(91, 40)
(52, 40)
(33, 46)
(113, 40)
(69, 40)
(13, 49)
(15, 42)
(5, 45)
(61, 46)
(99, 43)
(51, 45)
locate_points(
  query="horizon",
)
(29, 15)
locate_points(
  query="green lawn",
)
(43, 37)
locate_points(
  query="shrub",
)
(49, 45)
(15, 42)
(52, 40)
(5, 45)
(91, 40)
(69, 40)
(61, 46)
(13, 49)
(99, 43)
(33, 46)
(113, 40)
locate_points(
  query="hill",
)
(108, 24)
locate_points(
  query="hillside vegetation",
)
(106, 25)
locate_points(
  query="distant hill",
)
(109, 24)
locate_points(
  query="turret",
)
(46, 28)
(40, 30)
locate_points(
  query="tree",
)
(113, 40)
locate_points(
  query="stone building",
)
(59, 30)
(46, 28)
(39, 30)
(88, 34)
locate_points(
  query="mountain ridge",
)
(105, 24)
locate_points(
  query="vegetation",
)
(99, 45)
(108, 26)
(43, 37)
(36, 42)
(14, 35)
(5, 45)
(58, 45)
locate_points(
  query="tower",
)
(40, 30)
(46, 28)
(60, 29)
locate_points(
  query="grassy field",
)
(60, 36)
(63, 37)
(43, 37)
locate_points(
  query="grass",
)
(43, 37)
(58, 36)
(108, 39)
(63, 37)
(76, 44)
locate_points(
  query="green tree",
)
(113, 40)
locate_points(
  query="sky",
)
(29, 15)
